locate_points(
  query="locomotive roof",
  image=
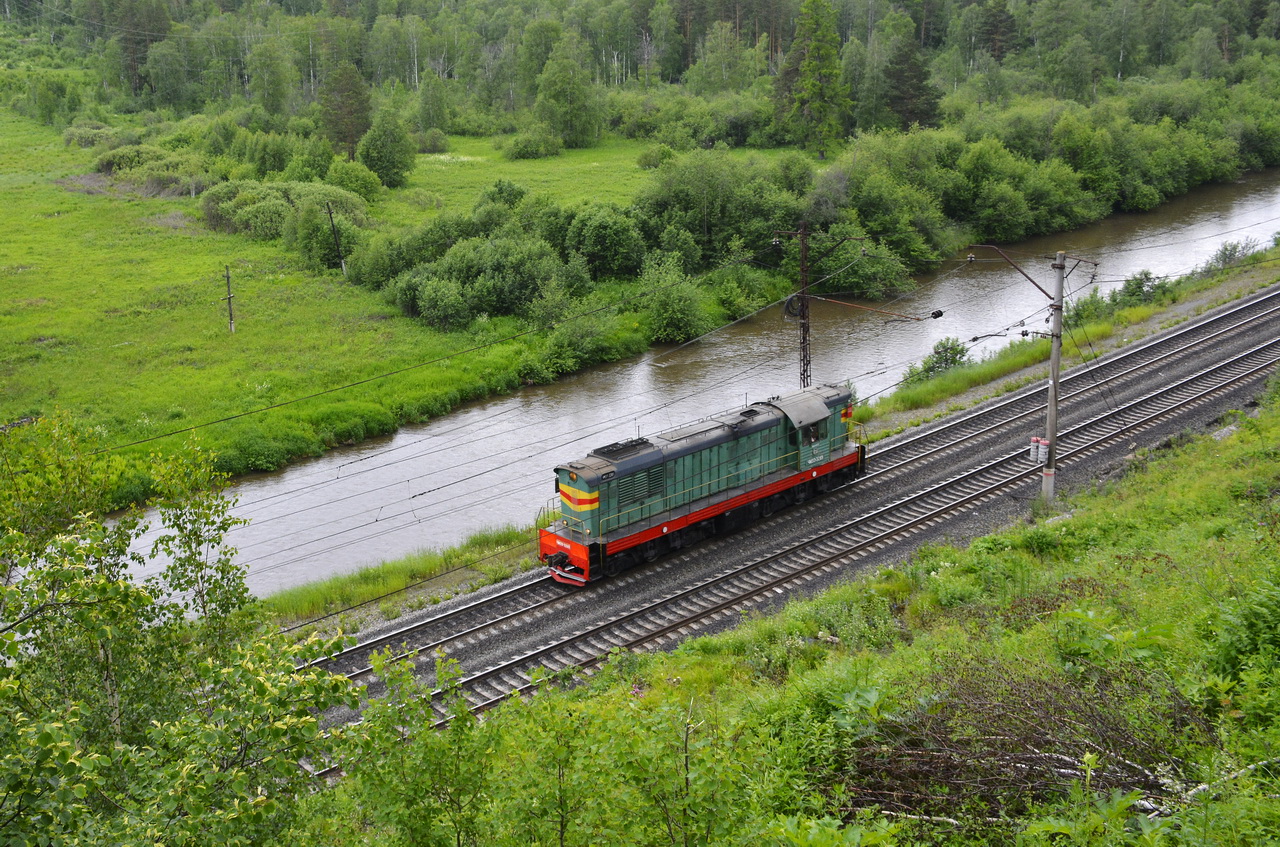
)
(625, 457)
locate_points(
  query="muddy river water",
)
(489, 463)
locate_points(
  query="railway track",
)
(991, 469)
(657, 624)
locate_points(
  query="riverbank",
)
(369, 598)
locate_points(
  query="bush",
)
(264, 220)
(347, 203)
(354, 177)
(223, 203)
(402, 292)
(947, 354)
(371, 264)
(432, 141)
(87, 134)
(501, 275)
(654, 156)
(128, 158)
(608, 239)
(675, 308)
(441, 303)
(312, 234)
(388, 150)
(537, 143)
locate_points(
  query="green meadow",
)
(113, 308)
(451, 182)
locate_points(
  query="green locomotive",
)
(635, 500)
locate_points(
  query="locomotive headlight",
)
(573, 477)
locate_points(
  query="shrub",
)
(371, 265)
(313, 235)
(402, 292)
(675, 308)
(947, 354)
(537, 143)
(87, 134)
(127, 158)
(441, 303)
(354, 177)
(654, 156)
(220, 205)
(432, 141)
(347, 203)
(388, 150)
(608, 239)
(264, 220)
(501, 275)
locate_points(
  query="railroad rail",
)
(658, 623)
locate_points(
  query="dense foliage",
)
(984, 122)
(934, 124)
(139, 709)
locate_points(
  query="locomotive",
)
(634, 500)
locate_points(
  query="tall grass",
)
(485, 557)
(1015, 357)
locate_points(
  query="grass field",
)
(113, 306)
(450, 182)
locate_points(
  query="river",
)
(489, 463)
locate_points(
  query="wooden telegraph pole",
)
(231, 318)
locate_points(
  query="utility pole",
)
(1055, 366)
(337, 243)
(1055, 360)
(801, 300)
(231, 318)
(806, 362)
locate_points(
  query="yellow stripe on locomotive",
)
(577, 500)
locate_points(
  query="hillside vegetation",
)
(582, 180)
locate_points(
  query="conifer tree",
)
(809, 85)
(344, 107)
(910, 94)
